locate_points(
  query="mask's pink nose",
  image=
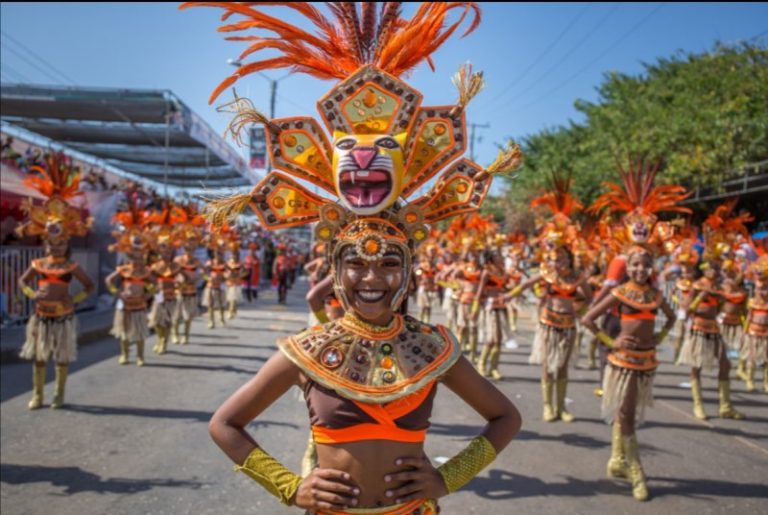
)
(364, 156)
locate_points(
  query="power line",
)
(542, 55)
(30, 63)
(12, 71)
(40, 59)
(595, 60)
(566, 56)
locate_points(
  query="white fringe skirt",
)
(424, 298)
(701, 350)
(755, 350)
(464, 317)
(48, 337)
(213, 298)
(131, 325)
(732, 336)
(163, 314)
(235, 294)
(552, 346)
(494, 325)
(617, 381)
(186, 308)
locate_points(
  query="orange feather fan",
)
(339, 47)
(58, 177)
(558, 200)
(638, 192)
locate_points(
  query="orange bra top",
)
(471, 276)
(49, 277)
(630, 313)
(735, 298)
(335, 419)
(496, 281)
(567, 292)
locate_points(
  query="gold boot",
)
(38, 384)
(495, 356)
(741, 370)
(591, 353)
(750, 379)
(562, 386)
(175, 334)
(698, 405)
(123, 359)
(211, 321)
(635, 468)
(140, 353)
(221, 315)
(472, 345)
(464, 339)
(231, 310)
(187, 327)
(61, 381)
(617, 464)
(481, 361)
(546, 393)
(726, 410)
(765, 379)
(162, 340)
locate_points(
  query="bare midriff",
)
(642, 330)
(367, 462)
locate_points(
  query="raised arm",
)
(316, 298)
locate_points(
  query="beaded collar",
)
(373, 370)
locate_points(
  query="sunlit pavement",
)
(135, 440)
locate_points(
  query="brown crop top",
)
(335, 419)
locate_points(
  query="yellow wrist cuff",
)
(28, 291)
(607, 340)
(113, 289)
(321, 316)
(271, 474)
(459, 470)
(80, 297)
(516, 291)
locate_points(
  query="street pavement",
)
(134, 440)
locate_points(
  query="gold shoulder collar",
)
(373, 370)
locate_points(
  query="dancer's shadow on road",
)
(213, 336)
(701, 427)
(214, 356)
(75, 480)
(500, 485)
(198, 416)
(211, 368)
(575, 439)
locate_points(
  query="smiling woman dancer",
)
(52, 329)
(370, 377)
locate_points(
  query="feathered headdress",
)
(723, 230)
(165, 228)
(640, 201)
(384, 144)
(559, 230)
(131, 226)
(56, 219)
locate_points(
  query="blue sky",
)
(537, 58)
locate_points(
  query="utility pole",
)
(472, 127)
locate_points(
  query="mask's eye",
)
(345, 144)
(388, 143)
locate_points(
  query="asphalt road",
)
(134, 440)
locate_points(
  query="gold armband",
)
(28, 291)
(695, 304)
(150, 288)
(459, 470)
(607, 340)
(112, 289)
(475, 306)
(663, 334)
(80, 297)
(271, 474)
(516, 291)
(321, 316)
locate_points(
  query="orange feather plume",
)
(638, 192)
(558, 200)
(340, 46)
(57, 177)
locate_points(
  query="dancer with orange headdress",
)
(703, 346)
(164, 240)
(135, 278)
(191, 234)
(556, 333)
(52, 328)
(375, 363)
(755, 348)
(235, 274)
(214, 296)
